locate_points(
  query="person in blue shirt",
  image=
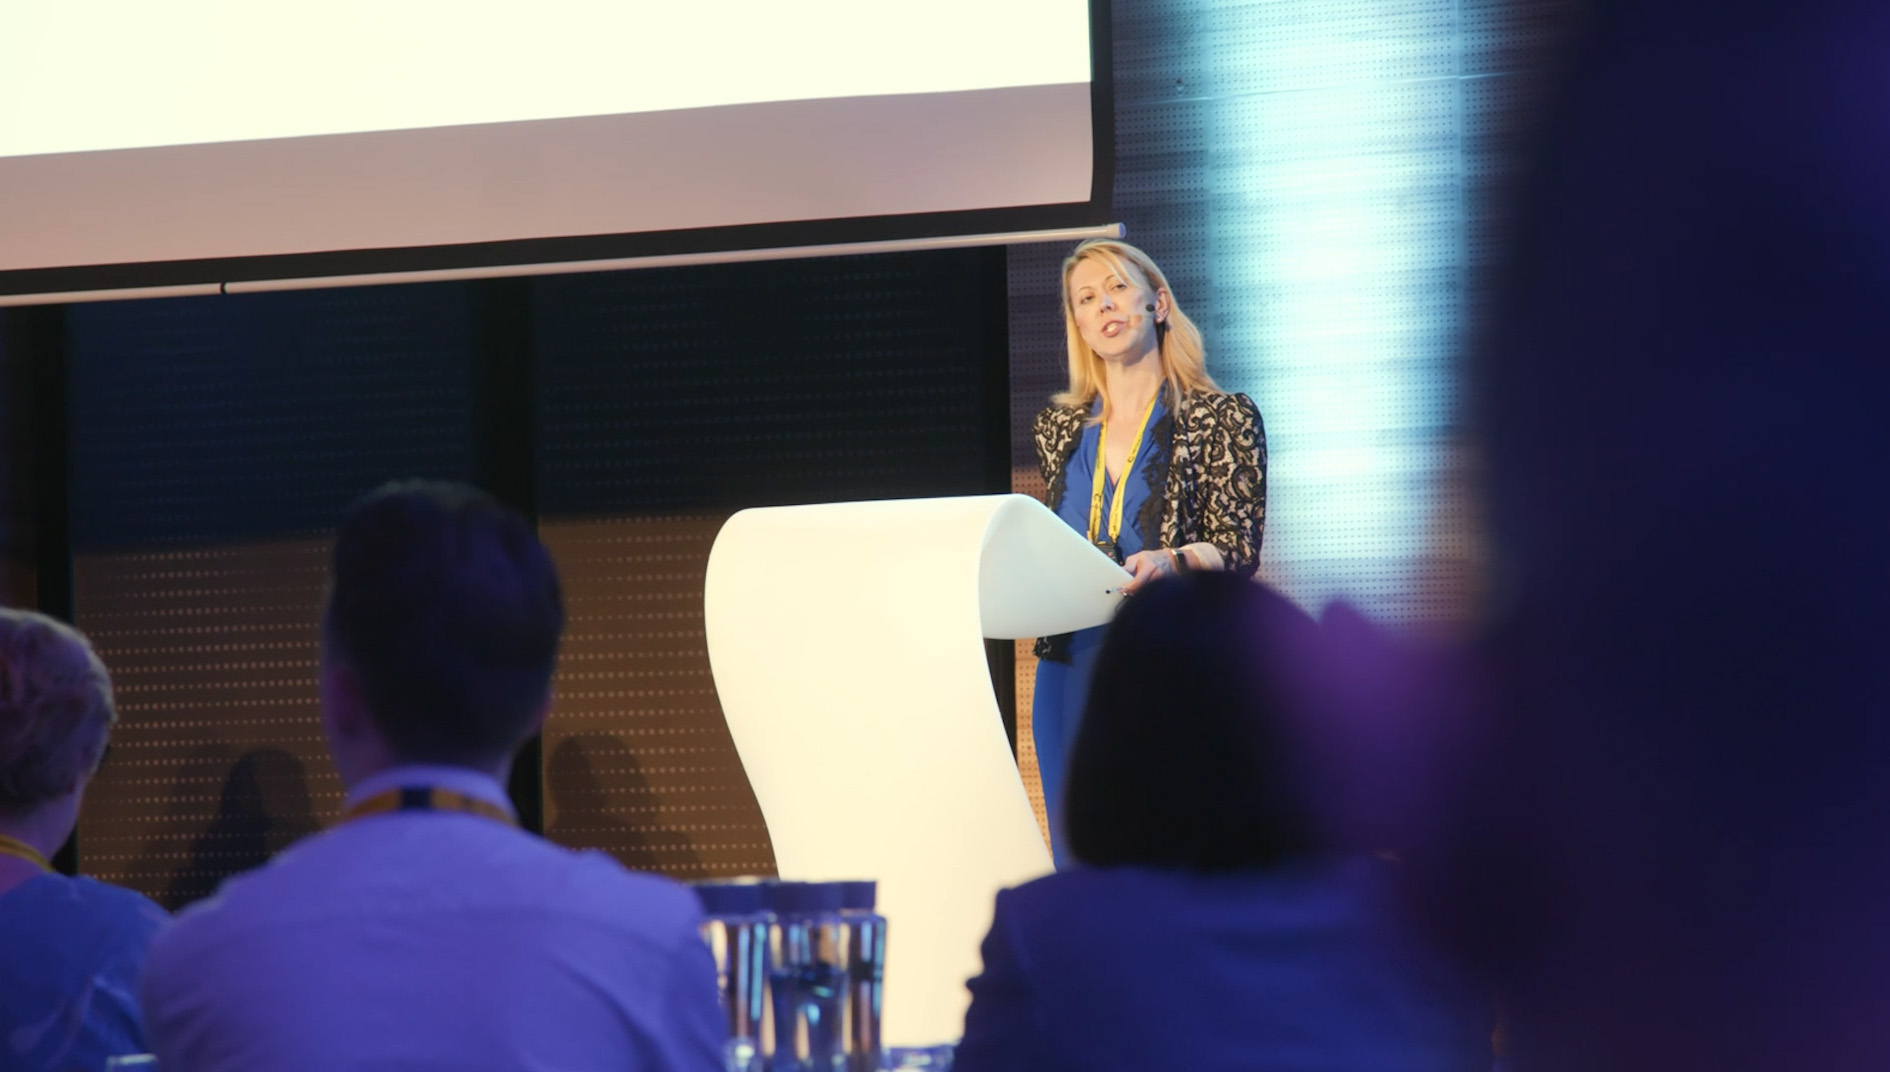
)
(1145, 456)
(425, 930)
(71, 949)
(1215, 920)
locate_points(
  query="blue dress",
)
(1056, 708)
(73, 951)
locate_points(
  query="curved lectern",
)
(847, 646)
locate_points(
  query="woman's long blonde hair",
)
(1183, 356)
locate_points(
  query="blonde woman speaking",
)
(1144, 455)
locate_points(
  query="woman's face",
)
(1112, 312)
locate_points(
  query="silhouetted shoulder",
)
(662, 905)
(133, 911)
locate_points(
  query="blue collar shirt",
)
(424, 940)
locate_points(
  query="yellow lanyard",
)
(1122, 482)
(15, 847)
(428, 798)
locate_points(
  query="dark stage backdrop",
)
(16, 469)
(215, 442)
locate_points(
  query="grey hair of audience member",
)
(55, 710)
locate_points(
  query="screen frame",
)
(616, 247)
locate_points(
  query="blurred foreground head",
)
(1677, 860)
(1187, 756)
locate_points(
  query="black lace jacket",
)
(1210, 469)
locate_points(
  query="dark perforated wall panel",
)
(670, 400)
(638, 761)
(215, 443)
(218, 762)
(16, 468)
(754, 384)
(217, 419)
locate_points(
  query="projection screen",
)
(202, 141)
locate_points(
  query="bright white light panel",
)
(136, 133)
(88, 75)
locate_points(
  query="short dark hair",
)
(1185, 758)
(447, 608)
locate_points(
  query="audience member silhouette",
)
(1211, 925)
(71, 949)
(1674, 857)
(426, 931)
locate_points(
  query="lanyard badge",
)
(428, 798)
(1106, 539)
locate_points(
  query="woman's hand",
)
(1148, 565)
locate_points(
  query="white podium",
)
(847, 646)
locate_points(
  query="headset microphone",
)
(1150, 307)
